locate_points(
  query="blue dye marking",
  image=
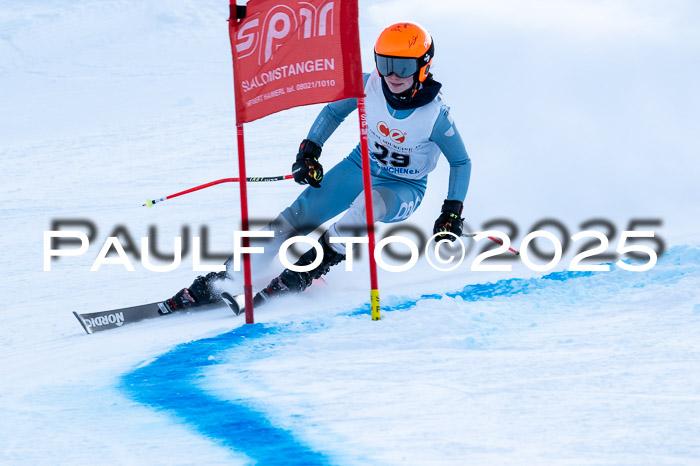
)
(169, 383)
(478, 292)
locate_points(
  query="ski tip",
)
(82, 322)
(233, 302)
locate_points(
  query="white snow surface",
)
(104, 104)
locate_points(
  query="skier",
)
(408, 124)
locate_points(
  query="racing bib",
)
(400, 147)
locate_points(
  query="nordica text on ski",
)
(116, 318)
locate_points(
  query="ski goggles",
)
(402, 67)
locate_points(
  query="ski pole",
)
(495, 240)
(150, 202)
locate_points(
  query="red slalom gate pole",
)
(245, 241)
(367, 181)
(151, 202)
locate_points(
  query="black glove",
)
(307, 169)
(450, 220)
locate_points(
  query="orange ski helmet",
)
(406, 49)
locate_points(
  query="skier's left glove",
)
(307, 169)
(449, 221)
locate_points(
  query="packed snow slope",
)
(570, 111)
(487, 374)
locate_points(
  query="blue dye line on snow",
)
(483, 291)
(169, 382)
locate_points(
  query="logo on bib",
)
(395, 135)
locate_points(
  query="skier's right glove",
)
(307, 169)
(450, 221)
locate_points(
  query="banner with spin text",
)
(288, 53)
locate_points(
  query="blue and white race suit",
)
(404, 145)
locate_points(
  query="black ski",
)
(274, 290)
(235, 303)
(98, 321)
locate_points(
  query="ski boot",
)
(296, 282)
(199, 293)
